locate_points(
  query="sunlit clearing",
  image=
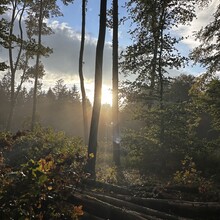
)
(106, 95)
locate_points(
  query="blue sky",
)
(65, 41)
(72, 15)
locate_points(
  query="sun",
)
(106, 95)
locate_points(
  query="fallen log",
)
(103, 209)
(88, 216)
(134, 207)
(107, 187)
(187, 209)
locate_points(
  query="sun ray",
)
(106, 95)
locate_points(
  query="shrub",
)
(38, 171)
(190, 176)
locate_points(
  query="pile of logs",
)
(105, 201)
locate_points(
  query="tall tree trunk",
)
(92, 147)
(84, 99)
(12, 94)
(161, 84)
(115, 111)
(40, 21)
(155, 54)
(161, 81)
(14, 66)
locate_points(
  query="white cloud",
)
(204, 17)
(64, 60)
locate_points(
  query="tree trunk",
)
(84, 99)
(33, 121)
(13, 67)
(103, 209)
(92, 147)
(161, 81)
(115, 120)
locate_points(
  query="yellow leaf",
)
(49, 187)
(91, 155)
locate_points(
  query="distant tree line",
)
(59, 108)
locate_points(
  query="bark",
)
(103, 209)
(87, 216)
(155, 208)
(131, 206)
(92, 147)
(106, 201)
(40, 20)
(22, 77)
(108, 187)
(178, 207)
(84, 99)
(115, 110)
(155, 51)
(13, 67)
(161, 82)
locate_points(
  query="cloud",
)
(204, 17)
(63, 62)
(66, 45)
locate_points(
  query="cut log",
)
(188, 209)
(103, 209)
(147, 208)
(134, 207)
(87, 216)
(107, 187)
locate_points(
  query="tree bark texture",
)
(115, 110)
(109, 205)
(82, 86)
(92, 147)
(14, 66)
(33, 121)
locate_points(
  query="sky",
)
(65, 41)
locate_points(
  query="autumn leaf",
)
(77, 211)
(91, 155)
(49, 187)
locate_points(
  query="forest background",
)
(163, 118)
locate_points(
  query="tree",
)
(60, 90)
(154, 49)
(4, 98)
(83, 92)
(40, 10)
(40, 21)
(208, 52)
(92, 147)
(19, 42)
(3, 31)
(115, 108)
(142, 140)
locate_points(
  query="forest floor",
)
(106, 201)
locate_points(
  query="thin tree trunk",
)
(22, 76)
(155, 55)
(161, 82)
(92, 147)
(12, 101)
(84, 99)
(115, 111)
(13, 66)
(33, 121)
